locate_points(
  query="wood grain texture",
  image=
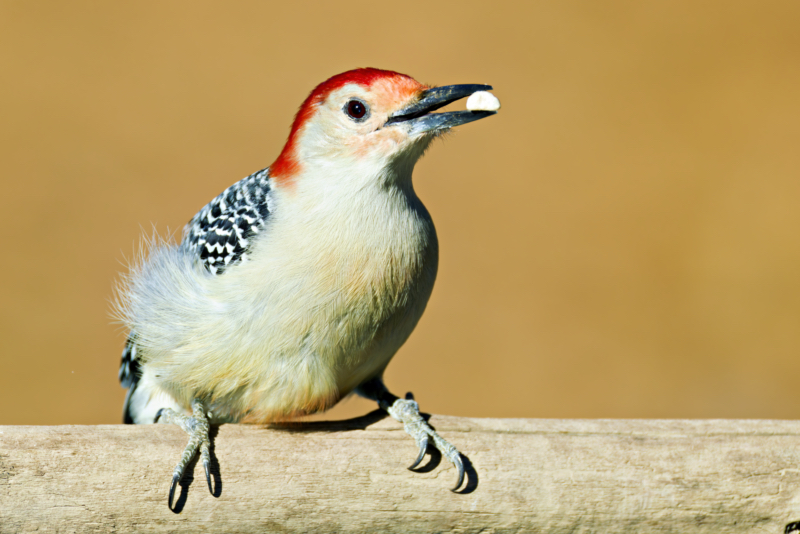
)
(720, 476)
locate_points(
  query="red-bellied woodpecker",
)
(296, 286)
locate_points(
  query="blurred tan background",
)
(622, 240)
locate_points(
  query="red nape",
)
(287, 165)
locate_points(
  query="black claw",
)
(423, 446)
(158, 415)
(175, 479)
(208, 478)
(460, 468)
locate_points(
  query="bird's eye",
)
(356, 109)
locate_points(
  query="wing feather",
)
(220, 234)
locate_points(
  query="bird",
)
(295, 287)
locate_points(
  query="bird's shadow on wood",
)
(188, 476)
(356, 423)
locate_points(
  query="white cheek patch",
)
(483, 101)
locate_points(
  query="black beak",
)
(418, 115)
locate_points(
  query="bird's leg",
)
(407, 412)
(197, 426)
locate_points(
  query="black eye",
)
(356, 109)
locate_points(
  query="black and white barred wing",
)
(219, 236)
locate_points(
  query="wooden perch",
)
(523, 476)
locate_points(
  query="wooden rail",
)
(523, 475)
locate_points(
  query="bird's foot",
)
(197, 426)
(407, 412)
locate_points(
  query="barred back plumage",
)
(219, 235)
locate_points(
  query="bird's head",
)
(365, 121)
